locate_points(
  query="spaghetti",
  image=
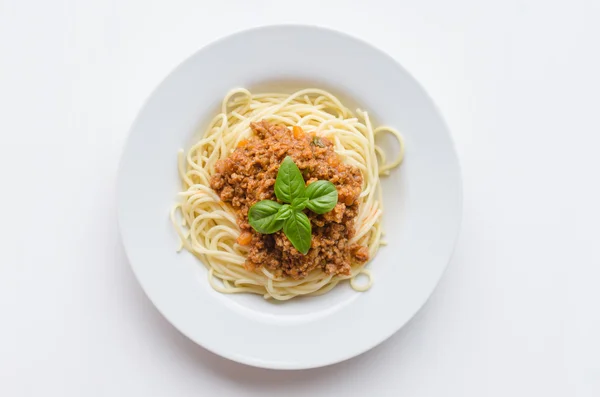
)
(208, 227)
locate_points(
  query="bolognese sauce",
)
(248, 176)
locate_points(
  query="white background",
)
(518, 310)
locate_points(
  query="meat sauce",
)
(248, 176)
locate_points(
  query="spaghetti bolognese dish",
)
(281, 196)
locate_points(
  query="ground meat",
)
(248, 176)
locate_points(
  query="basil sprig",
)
(269, 216)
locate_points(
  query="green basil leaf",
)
(299, 203)
(285, 211)
(262, 217)
(289, 183)
(298, 230)
(322, 195)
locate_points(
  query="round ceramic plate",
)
(422, 200)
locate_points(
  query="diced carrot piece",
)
(298, 132)
(244, 238)
(242, 143)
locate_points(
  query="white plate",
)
(422, 200)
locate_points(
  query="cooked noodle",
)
(208, 227)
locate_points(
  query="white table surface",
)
(517, 312)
